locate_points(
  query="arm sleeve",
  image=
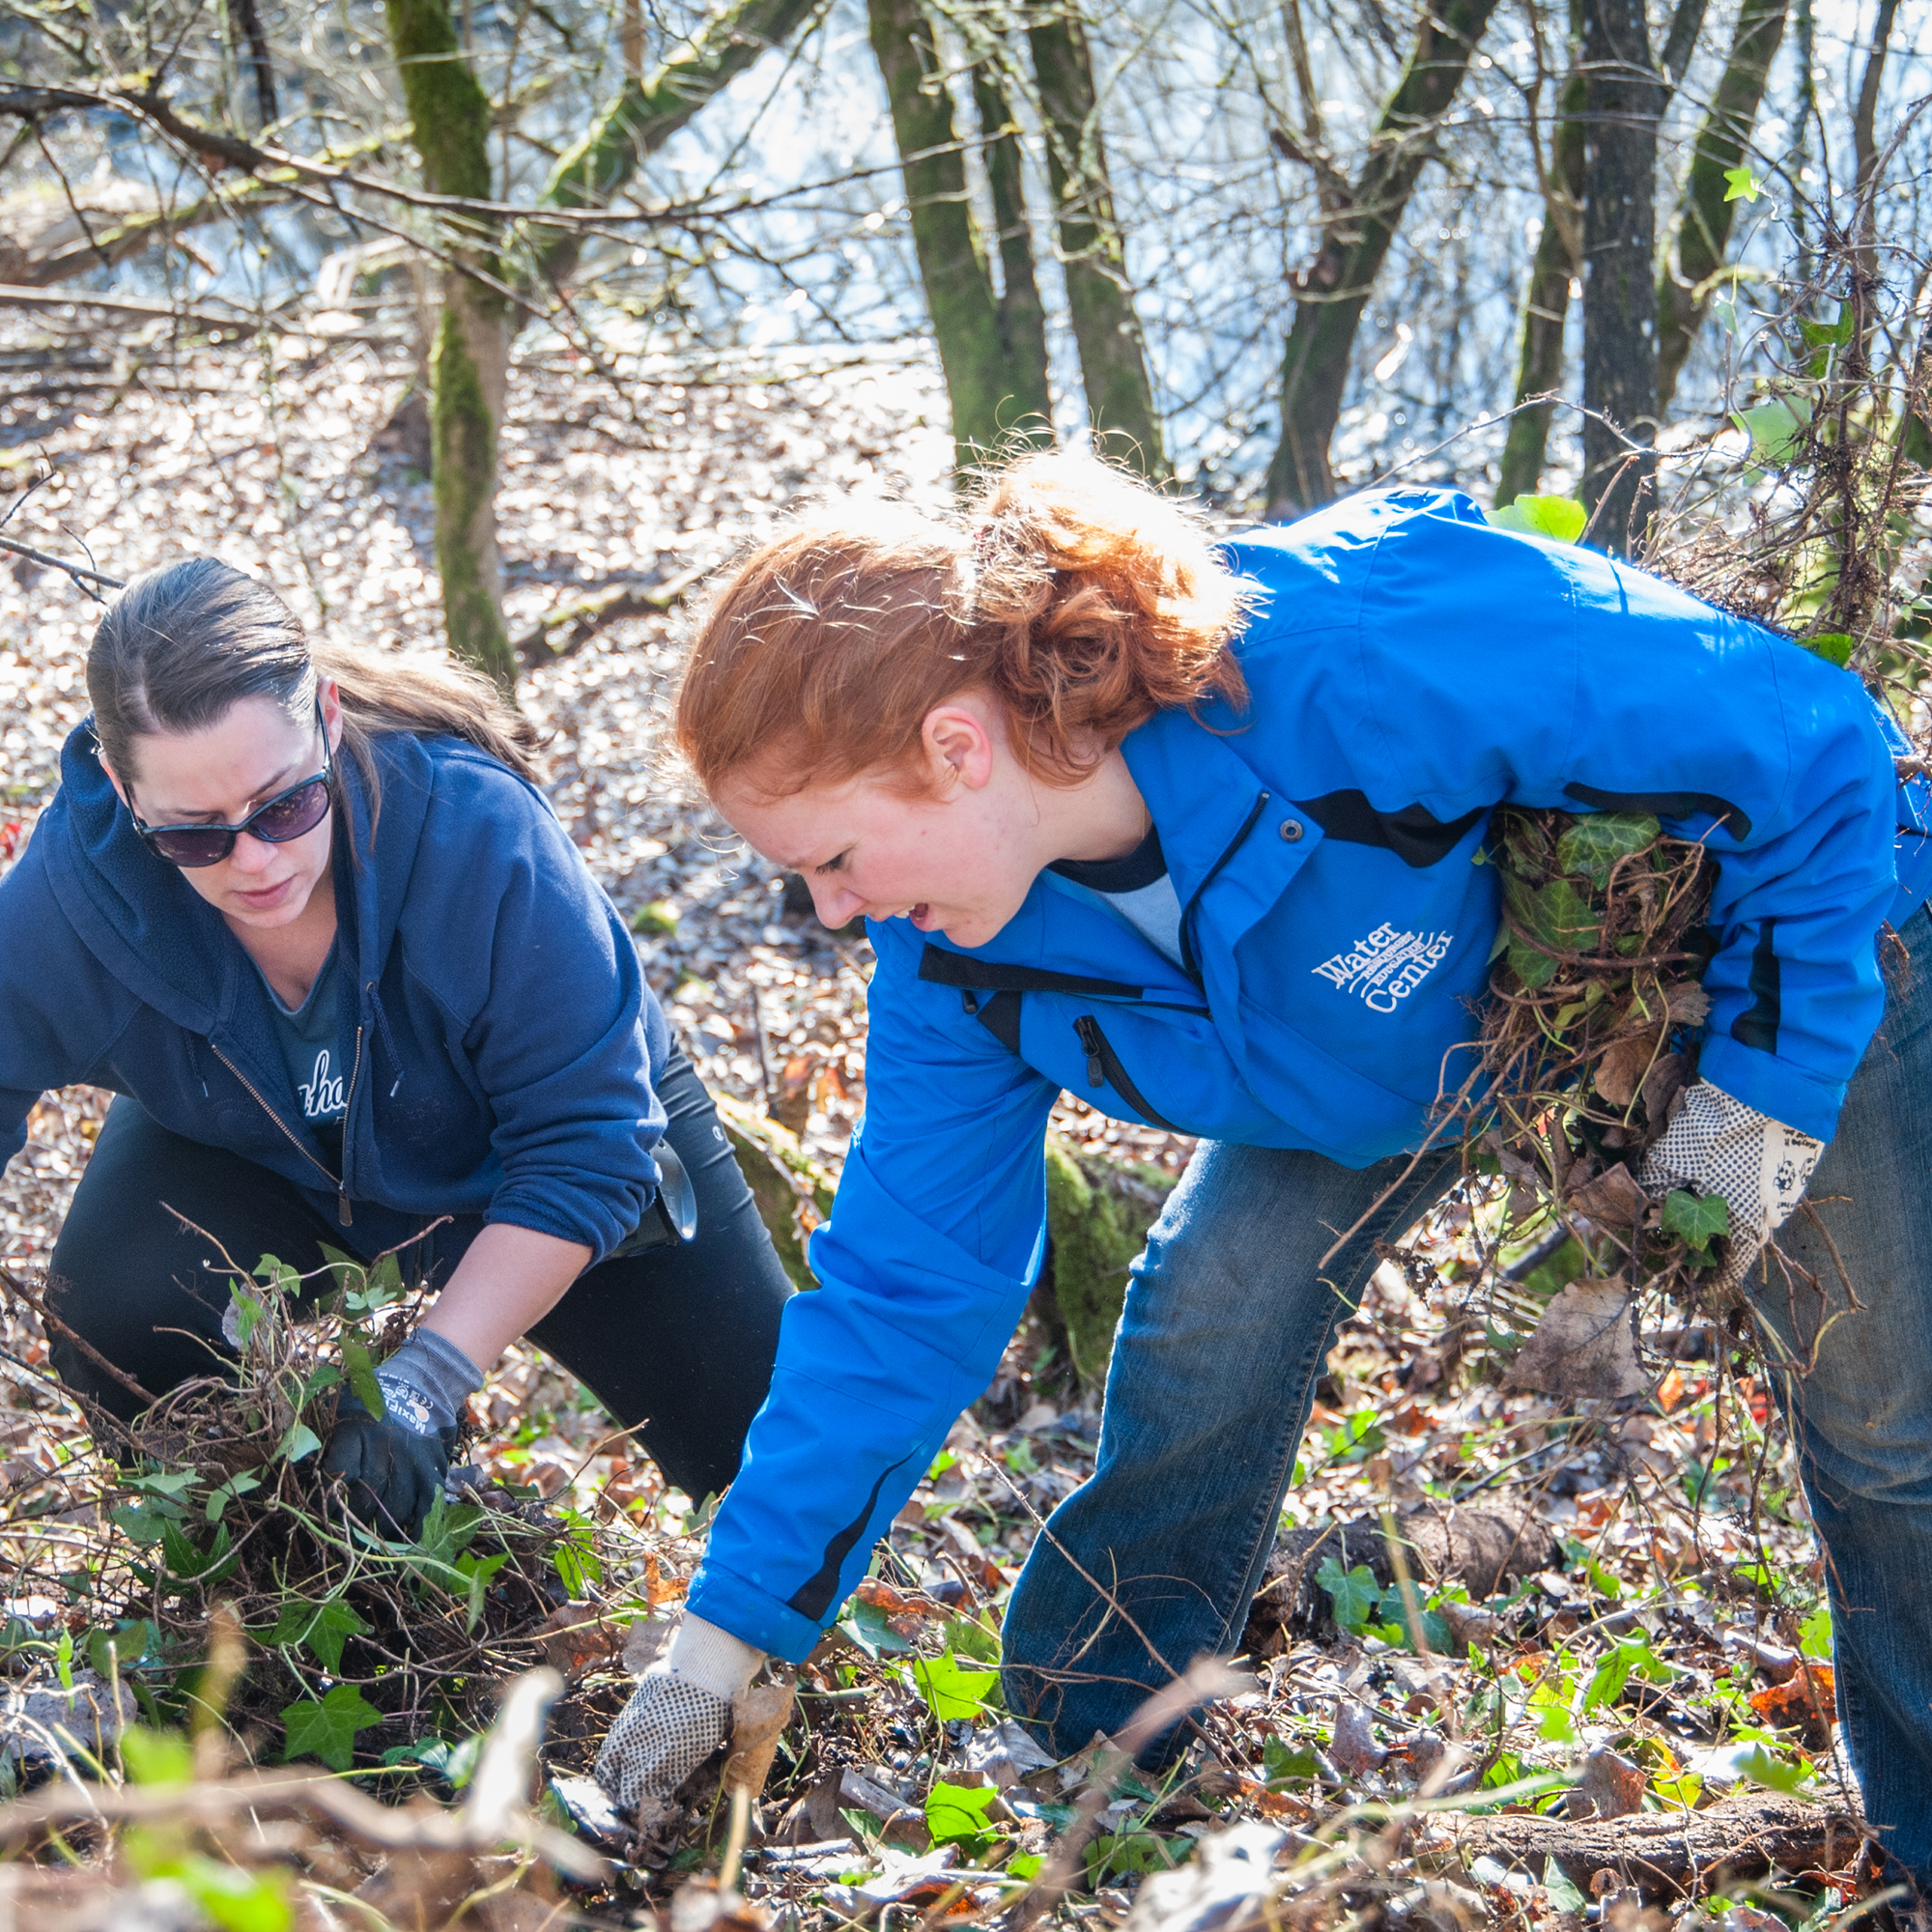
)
(1779, 760)
(45, 1043)
(926, 1264)
(563, 1046)
(1501, 666)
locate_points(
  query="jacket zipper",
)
(1189, 964)
(1104, 1068)
(342, 1207)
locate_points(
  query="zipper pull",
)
(343, 1212)
(1089, 1029)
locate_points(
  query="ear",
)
(961, 743)
(329, 694)
(113, 779)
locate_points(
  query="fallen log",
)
(1663, 1855)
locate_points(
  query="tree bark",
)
(1703, 214)
(1622, 100)
(648, 111)
(1113, 356)
(966, 323)
(1546, 300)
(1022, 314)
(1332, 291)
(450, 116)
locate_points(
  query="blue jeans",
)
(1229, 1316)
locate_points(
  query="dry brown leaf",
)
(1613, 1200)
(1620, 1073)
(757, 1719)
(1610, 1786)
(1584, 1345)
(1355, 1747)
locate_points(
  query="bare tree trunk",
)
(1621, 105)
(450, 116)
(1545, 299)
(1113, 358)
(1022, 314)
(1703, 214)
(1332, 291)
(247, 18)
(980, 383)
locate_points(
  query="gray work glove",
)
(1759, 1167)
(681, 1714)
(395, 1466)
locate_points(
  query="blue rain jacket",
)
(1408, 668)
(505, 1038)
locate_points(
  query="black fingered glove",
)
(394, 1475)
(395, 1467)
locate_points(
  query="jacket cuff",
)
(1775, 1087)
(750, 1614)
(712, 1658)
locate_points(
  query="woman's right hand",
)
(681, 1714)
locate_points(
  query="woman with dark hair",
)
(304, 911)
(1193, 831)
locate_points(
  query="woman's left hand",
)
(395, 1465)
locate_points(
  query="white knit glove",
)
(681, 1714)
(1759, 1167)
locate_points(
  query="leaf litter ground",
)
(1496, 1628)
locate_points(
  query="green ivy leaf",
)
(157, 1757)
(326, 1728)
(1814, 1633)
(1740, 185)
(361, 1373)
(300, 1441)
(1629, 1656)
(247, 1312)
(1833, 646)
(1830, 334)
(1356, 1594)
(1775, 429)
(1593, 845)
(1696, 1219)
(1561, 519)
(956, 1814)
(953, 1690)
(323, 1626)
(192, 1565)
(476, 1572)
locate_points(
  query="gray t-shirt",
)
(318, 1048)
(1137, 890)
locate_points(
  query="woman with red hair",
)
(1192, 831)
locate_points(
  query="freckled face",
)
(954, 864)
(218, 776)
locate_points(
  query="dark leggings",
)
(677, 1339)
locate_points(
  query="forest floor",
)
(1591, 1685)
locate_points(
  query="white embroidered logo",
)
(322, 1098)
(1384, 969)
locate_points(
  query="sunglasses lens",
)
(286, 818)
(193, 844)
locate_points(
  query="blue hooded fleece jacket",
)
(505, 1042)
(1409, 669)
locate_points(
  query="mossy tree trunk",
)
(1703, 214)
(1097, 1216)
(994, 378)
(1022, 314)
(450, 116)
(649, 110)
(1333, 291)
(1113, 356)
(1546, 297)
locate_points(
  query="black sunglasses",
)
(289, 815)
